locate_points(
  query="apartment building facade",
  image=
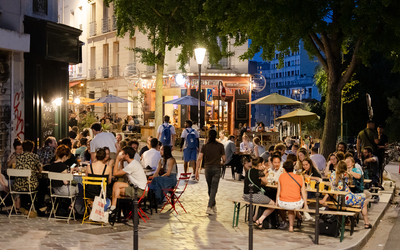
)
(108, 60)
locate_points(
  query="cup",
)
(313, 182)
(14, 165)
(321, 186)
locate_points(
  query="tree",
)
(340, 33)
(168, 24)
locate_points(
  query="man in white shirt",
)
(151, 157)
(189, 146)
(135, 174)
(101, 140)
(166, 133)
(318, 159)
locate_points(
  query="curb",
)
(361, 243)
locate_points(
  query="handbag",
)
(260, 188)
(328, 225)
(97, 213)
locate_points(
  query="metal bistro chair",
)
(88, 201)
(174, 194)
(21, 173)
(61, 177)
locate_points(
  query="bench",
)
(237, 209)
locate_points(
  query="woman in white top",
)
(222, 137)
(258, 148)
(246, 146)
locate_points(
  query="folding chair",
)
(88, 201)
(61, 177)
(174, 194)
(26, 173)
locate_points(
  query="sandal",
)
(258, 225)
(367, 226)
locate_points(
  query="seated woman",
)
(257, 176)
(101, 170)
(27, 160)
(308, 168)
(246, 146)
(85, 156)
(331, 165)
(260, 127)
(165, 175)
(58, 166)
(358, 179)
(301, 155)
(291, 193)
(12, 159)
(258, 148)
(340, 179)
(222, 138)
(108, 161)
(276, 170)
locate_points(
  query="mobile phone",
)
(73, 165)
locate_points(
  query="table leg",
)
(234, 214)
(237, 214)
(342, 229)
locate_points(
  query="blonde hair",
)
(341, 172)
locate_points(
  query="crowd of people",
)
(125, 165)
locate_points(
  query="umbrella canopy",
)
(85, 101)
(275, 99)
(299, 116)
(110, 99)
(187, 100)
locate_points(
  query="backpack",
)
(191, 139)
(166, 135)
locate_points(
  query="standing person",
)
(47, 152)
(367, 137)
(371, 163)
(318, 159)
(136, 177)
(195, 126)
(381, 147)
(151, 157)
(189, 146)
(166, 133)
(307, 142)
(101, 140)
(212, 152)
(232, 157)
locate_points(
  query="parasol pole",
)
(300, 130)
(274, 116)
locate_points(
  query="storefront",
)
(228, 113)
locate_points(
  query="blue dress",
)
(351, 199)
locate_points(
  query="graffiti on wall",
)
(18, 105)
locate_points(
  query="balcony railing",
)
(105, 71)
(92, 28)
(105, 25)
(115, 71)
(92, 74)
(114, 23)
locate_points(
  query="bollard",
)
(317, 215)
(251, 218)
(135, 221)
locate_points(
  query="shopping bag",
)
(98, 214)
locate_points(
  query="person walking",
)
(211, 152)
(381, 147)
(166, 134)
(189, 146)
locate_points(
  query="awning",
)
(71, 84)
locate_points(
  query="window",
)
(105, 55)
(40, 7)
(292, 72)
(280, 74)
(288, 64)
(132, 45)
(93, 58)
(116, 53)
(93, 13)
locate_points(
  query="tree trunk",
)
(159, 93)
(332, 119)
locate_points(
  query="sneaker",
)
(193, 177)
(214, 209)
(209, 211)
(307, 217)
(283, 225)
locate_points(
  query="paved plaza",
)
(168, 230)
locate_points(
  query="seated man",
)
(151, 157)
(135, 174)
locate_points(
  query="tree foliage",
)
(342, 34)
(168, 24)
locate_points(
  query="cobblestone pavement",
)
(168, 230)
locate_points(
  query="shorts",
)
(291, 205)
(190, 154)
(130, 192)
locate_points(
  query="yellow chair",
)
(97, 181)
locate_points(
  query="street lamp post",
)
(200, 54)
